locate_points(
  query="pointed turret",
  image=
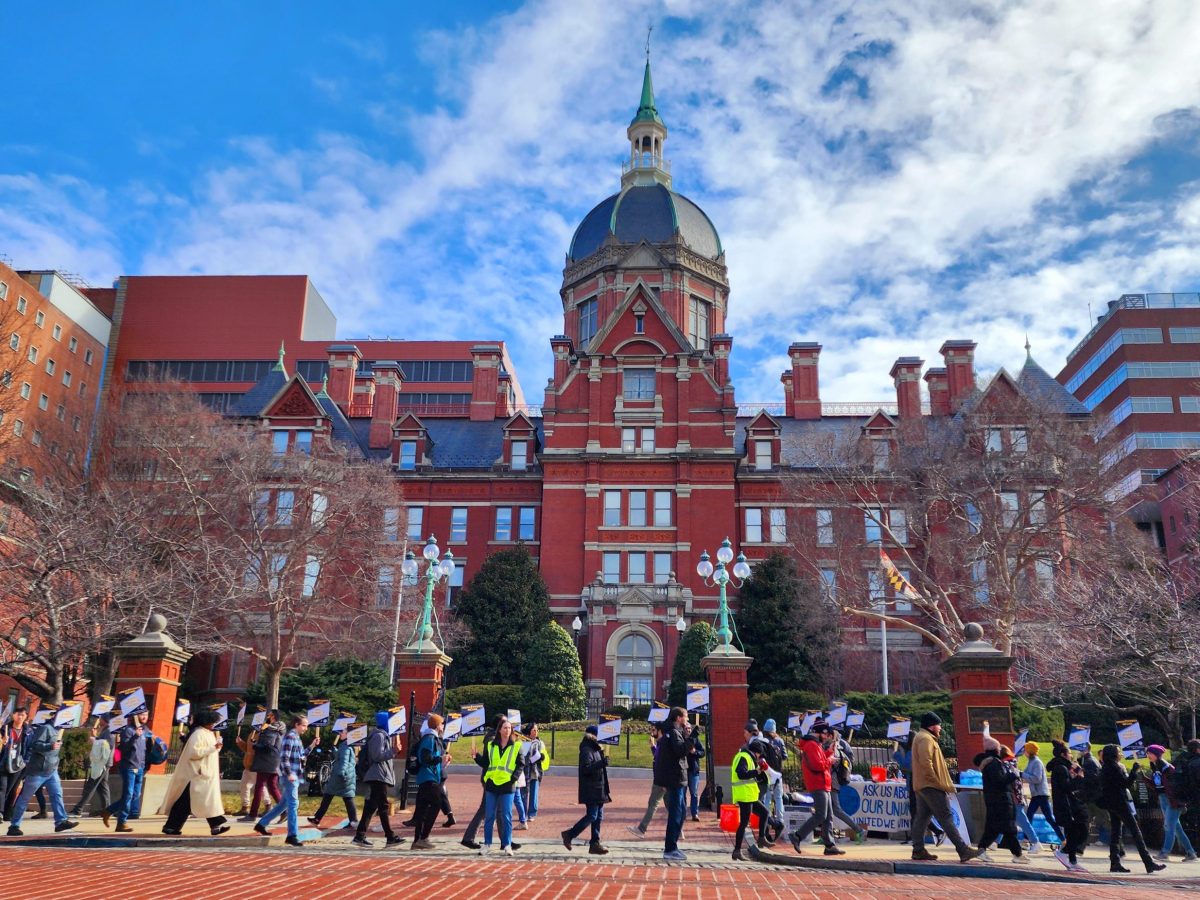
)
(647, 132)
(647, 111)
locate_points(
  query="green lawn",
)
(566, 749)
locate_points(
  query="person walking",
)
(776, 755)
(593, 791)
(1162, 779)
(249, 776)
(536, 762)
(695, 754)
(499, 763)
(472, 832)
(670, 774)
(100, 755)
(133, 743)
(843, 765)
(41, 769)
(1114, 799)
(816, 758)
(1070, 805)
(16, 742)
(747, 779)
(267, 745)
(657, 792)
(342, 781)
(1023, 823)
(902, 756)
(378, 776)
(195, 785)
(1035, 777)
(291, 773)
(932, 787)
(1000, 818)
(431, 757)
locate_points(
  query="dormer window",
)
(520, 456)
(995, 441)
(587, 321)
(408, 455)
(762, 456)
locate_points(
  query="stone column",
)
(979, 692)
(729, 708)
(153, 662)
(419, 672)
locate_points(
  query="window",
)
(778, 526)
(18, 427)
(56, 333)
(279, 442)
(876, 592)
(32, 355)
(637, 509)
(698, 319)
(525, 524)
(829, 580)
(458, 523)
(639, 384)
(979, 581)
(312, 571)
(825, 527)
(900, 603)
(1018, 440)
(83, 389)
(408, 455)
(1043, 574)
(587, 322)
(647, 440)
(753, 526)
(635, 669)
(639, 324)
(75, 423)
(60, 413)
(262, 508)
(995, 440)
(662, 509)
(612, 508)
(51, 365)
(898, 523)
(1124, 336)
(612, 568)
(1185, 335)
(503, 524)
(456, 582)
(880, 455)
(519, 457)
(26, 390)
(1186, 404)
(628, 440)
(73, 344)
(1037, 508)
(15, 341)
(22, 305)
(391, 524)
(974, 518)
(416, 522)
(67, 379)
(37, 437)
(762, 456)
(320, 503)
(285, 504)
(39, 319)
(871, 526)
(662, 568)
(4, 296)
(385, 587)
(1009, 508)
(87, 357)
(637, 568)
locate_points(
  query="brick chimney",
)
(721, 346)
(960, 369)
(485, 381)
(906, 375)
(388, 382)
(806, 393)
(504, 405)
(560, 346)
(343, 363)
(939, 394)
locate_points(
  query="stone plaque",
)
(999, 719)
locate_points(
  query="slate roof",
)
(646, 212)
(457, 443)
(801, 440)
(340, 425)
(1038, 384)
(254, 400)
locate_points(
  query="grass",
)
(566, 749)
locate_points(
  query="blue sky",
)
(884, 175)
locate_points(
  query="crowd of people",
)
(512, 763)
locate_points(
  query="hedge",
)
(496, 698)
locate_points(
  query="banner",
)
(356, 735)
(450, 729)
(885, 806)
(474, 720)
(69, 715)
(183, 709)
(343, 721)
(609, 729)
(899, 727)
(856, 718)
(837, 713)
(514, 717)
(1079, 737)
(132, 701)
(658, 712)
(397, 719)
(1020, 741)
(221, 712)
(1129, 737)
(697, 697)
(318, 713)
(104, 705)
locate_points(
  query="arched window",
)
(635, 668)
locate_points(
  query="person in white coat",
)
(195, 786)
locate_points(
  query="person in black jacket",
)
(695, 754)
(593, 791)
(1000, 819)
(670, 773)
(1114, 799)
(1070, 805)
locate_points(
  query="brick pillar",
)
(419, 671)
(153, 662)
(960, 369)
(388, 381)
(806, 387)
(729, 708)
(485, 381)
(906, 375)
(343, 365)
(939, 392)
(979, 690)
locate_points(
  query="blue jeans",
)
(774, 799)
(289, 803)
(694, 793)
(1024, 825)
(1042, 803)
(131, 792)
(1172, 831)
(519, 803)
(676, 803)
(32, 784)
(493, 804)
(531, 798)
(593, 816)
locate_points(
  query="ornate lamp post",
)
(721, 577)
(435, 572)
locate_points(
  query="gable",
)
(295, 401)
(763, 422)
(880, 421)
(659, 328)
(643, 256)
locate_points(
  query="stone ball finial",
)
(157, 624)
(973, 631)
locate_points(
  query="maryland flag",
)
(899, 583)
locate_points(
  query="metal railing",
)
(645, 161)
(1155, 300)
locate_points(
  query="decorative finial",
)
(1028, 354)
(279, 363)
(649, 28)
(325, 384)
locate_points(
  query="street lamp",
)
(680, 626)
(436, 571)
(576, 627)
(720, 577)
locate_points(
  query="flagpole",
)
(883, 648)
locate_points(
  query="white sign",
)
(44, 715)
(609, 730)
(356, 735)
(259, 719)
(450, 729)
(810, 719)
(183, 709)
(1080, 737)
(837, 713)
(104, 705)
(69, 715)
(794, 720)
(1129, 735)
(855, 718)
(221, 711)
(397, 719)
(318, 713)
(241, 713)
(899, 727)
(343, 721)
(658, 713)
(132, 701)
(7, 712)
(697, 698)
(474, 719)
(514, 717)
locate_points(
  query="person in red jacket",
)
(816, 759)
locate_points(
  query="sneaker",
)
(939, 839)
(970, 855)
(14, 831)
(860, 837)
(421, 845)
(470, 845)
(983, 856)
(1162, 857)
(695, 818)
(393, 840)
(675, 856)
(833, 850)
(794, 837)
(315, 823)
(1076, 867)
(515, 845)
(485, 849)
(245, 818)
(524, 826)
(360, 840)
(1063, 858)
(634, 830)
(1023, 859)
(44, 815)
(1034, 849)
(507, 851)
(1191, 857)
(67, 825)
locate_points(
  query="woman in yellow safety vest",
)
(746, 774)
(499, 761)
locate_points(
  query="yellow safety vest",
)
(501, 765)
(744, 790)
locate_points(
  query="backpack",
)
(1092, 786)
(772, 755)
(156, 753)
(841, 769)
(1187, 779)
(363, 762)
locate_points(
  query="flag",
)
(899, 583)
(1020, 741)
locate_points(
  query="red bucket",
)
(729, 818)
(878, 774)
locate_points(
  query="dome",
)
(651, 213)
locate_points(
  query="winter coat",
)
(1067, 790)
(1035, 776)
(695, 754)
(343, 780)
(430, 752)
(1187, 778)
(199, 773)
(670, 763)
(998, 781)
(379, 758)
(929, 764)
(43, 755)
(535, 751)
(1162, 781)
(100, 756)
(817, 763)
(593, 773)
(266, 749)
(1115, 780)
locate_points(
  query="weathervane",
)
(649, 28)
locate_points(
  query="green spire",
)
(324, 386)
(279, 364)
(647, 111)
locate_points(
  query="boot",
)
(597, 849)
(1151, 865)
(1114, 865)
(737, 854)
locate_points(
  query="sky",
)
(884, 174)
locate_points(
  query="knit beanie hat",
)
(1033, 745)
(929, 719)
(434, 721)
(769, 725)
(381, 720)
(1158, 749)
(990, 743)
(593, 730)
